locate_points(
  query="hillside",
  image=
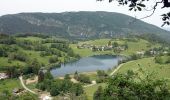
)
(78, 24)
(133, 46)
(21, 51)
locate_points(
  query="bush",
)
(41, 86)
(54, 92)
(53, 59)
(168, 60)
(83, 78)
(135, 57)
(158, 59)
(101, 76)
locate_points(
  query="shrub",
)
(53, 59)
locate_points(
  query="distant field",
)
(148, 64)
(36, 54)
(140, 45)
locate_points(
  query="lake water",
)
(87, 64)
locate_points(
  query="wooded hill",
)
(78, 25)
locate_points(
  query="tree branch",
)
(154, 8)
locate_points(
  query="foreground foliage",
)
(133, 86)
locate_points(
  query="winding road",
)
(119, 67)
(22, 83)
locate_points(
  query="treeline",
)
(44, 36)
(5, 39)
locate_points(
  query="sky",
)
(57, 6)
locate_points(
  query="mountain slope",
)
(77, 24)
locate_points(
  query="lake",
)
(87, 64)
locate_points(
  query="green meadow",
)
(160, 71)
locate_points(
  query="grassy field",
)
(149, 65)
(141, 45)
(36, 55)
(90, 90)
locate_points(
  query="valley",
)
(29, 55)
(85, 50)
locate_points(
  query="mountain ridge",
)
(82, 24)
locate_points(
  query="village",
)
(110, 46)
(119, 48)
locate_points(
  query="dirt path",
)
(115, 70)
(22, 83)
